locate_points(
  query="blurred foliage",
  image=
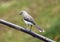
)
(46, 11)
(54, 32)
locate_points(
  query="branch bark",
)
(14, 26)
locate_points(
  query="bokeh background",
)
(46, 13)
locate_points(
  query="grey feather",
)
(40, 30)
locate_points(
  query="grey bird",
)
(29, 20)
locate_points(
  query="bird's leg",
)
(30, 30)
(30, 27)
(27, 26)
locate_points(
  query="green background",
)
(46, 14)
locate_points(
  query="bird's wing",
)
(30, 20)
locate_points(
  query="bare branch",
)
(25, 31)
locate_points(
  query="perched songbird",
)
(29, 20)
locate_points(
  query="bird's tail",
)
(40, 30)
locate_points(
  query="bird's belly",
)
(29, 23)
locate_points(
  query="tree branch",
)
(25, 31)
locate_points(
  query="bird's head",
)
(22, 12)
